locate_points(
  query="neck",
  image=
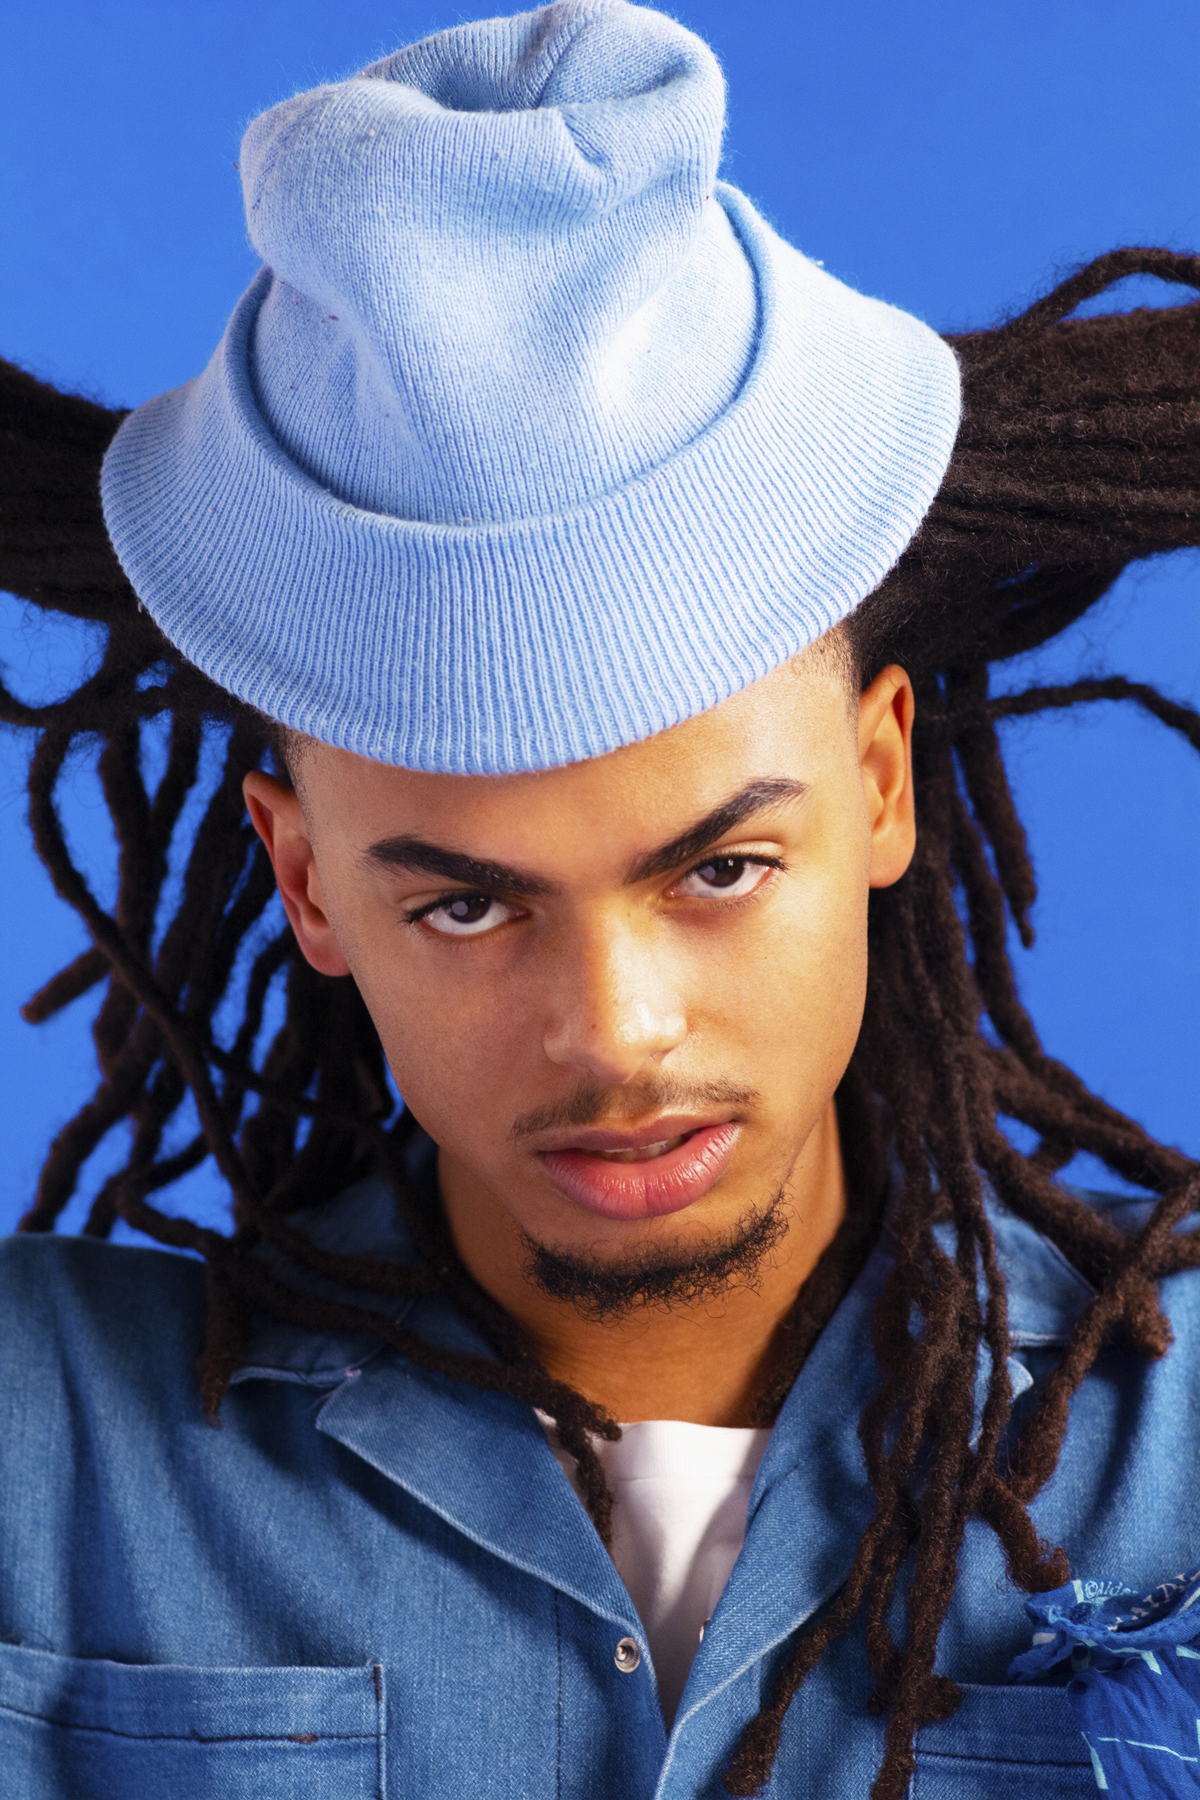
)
(707, 1361)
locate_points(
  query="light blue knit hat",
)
(530, 438)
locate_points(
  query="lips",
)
(641, 1175)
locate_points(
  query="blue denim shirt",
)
(372, 1581)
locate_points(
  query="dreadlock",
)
(1078, 453)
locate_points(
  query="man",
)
(580, 589)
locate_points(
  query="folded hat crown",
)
(500, 269)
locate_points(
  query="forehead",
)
(797, 723)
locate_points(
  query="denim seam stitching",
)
(195, 1737)
(381, 1722)
(1009, 1762)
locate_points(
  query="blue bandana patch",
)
(1135, 1679)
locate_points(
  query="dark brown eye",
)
(470, 910)
(722, 871)
(725, 878)
(467, 915)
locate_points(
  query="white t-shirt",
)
(680, 1494)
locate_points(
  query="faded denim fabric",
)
(376, 1582)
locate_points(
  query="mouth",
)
(650, 1153)
(641, 1174)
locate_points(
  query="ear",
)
(885, 719)
(276, 815)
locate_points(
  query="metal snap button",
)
(628, 1656)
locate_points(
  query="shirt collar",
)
(365, 1219)
(1046, 1294)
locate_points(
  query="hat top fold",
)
(513, 304)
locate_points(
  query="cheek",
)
(453, 1040)
(802, 985)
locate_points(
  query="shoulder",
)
(98, 1324)
(1179, 1293)
(74, 1308)
(1046, 1293)
(86, 1275)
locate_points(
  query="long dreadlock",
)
(1079, 452)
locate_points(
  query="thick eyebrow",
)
(454, 865)
(489, 877)
(755, 797)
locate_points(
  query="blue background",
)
(951, 158)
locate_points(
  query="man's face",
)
(618, 995)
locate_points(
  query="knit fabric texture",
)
(531, 438)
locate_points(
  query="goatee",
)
(602, 1291)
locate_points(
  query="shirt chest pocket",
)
(98, 1730)
(1005, 1743)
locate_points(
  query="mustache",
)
(590, 1103)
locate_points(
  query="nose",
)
(616, 1009)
